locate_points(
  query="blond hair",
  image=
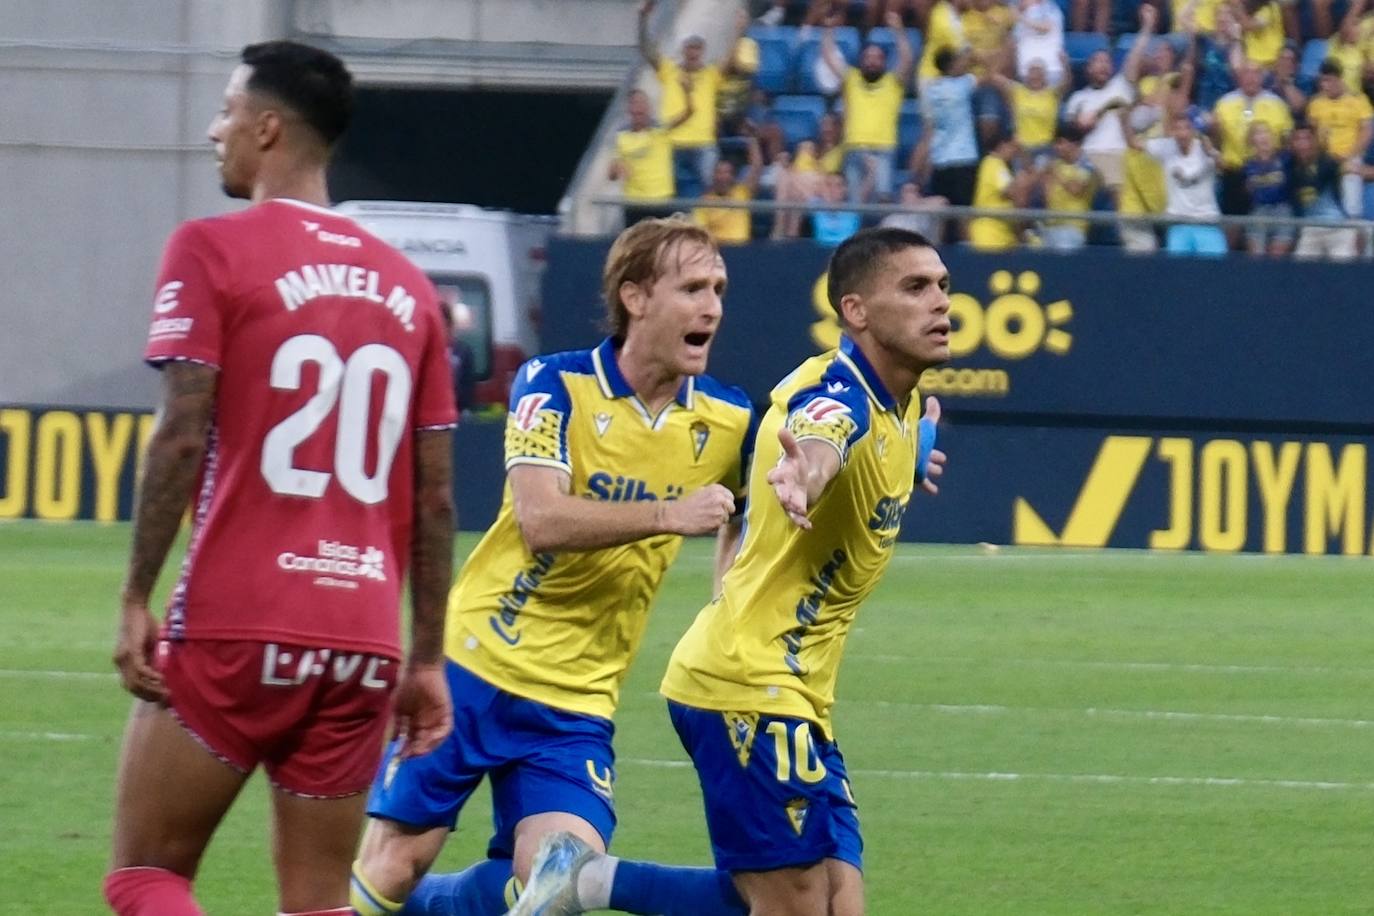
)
(638, 256)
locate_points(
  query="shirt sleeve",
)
(188, 320)
(537, 425)
(1160, 147)
(435, 404)
(834, 411)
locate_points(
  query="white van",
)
(492, 261)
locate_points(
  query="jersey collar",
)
(854, 358)
(613, 384)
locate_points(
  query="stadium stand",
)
(793, 90)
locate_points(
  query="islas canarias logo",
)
(1012, 326)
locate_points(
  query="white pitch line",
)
(1224, 782)
(46, 736)
(1153, 714)
(1114, 665)
(59, 675)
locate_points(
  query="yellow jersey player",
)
(612, 455)
(751, 685)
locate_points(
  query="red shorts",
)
(314, 718)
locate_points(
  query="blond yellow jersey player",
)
(612, 455)
(751, 685)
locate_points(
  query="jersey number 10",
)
(347, 384)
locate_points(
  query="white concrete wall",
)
(564, 22)
(103, 150)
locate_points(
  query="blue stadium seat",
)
(776, 44)
(1313, 53)
(883, 38)
(799, 116)
(1082, 45)
(1127, 41)
(908, 130)
(809, 49)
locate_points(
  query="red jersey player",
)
(305, 419)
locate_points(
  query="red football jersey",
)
(331, 352)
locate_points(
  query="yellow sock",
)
(513, 889)
(365, 899)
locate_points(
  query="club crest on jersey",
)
(797, 809)
(700, 433)
(825, 410)
(881, 442)
(533, 368)
(527, 409)
(603, 423)
(742, 727)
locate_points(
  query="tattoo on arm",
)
(170, 466)
(432, 544)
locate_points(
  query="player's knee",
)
(791, 892)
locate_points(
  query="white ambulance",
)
(491, 261)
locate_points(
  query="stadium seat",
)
(809, 50)
(1082, 45)
(776, 44)
(908, 130)
(1127, 41)
(1313, 53)
(799, 116)
(883, 38)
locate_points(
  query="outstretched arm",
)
(688, 103)
(833, 58)
(1149, 17)
(647, 50)
(727, 64)
(803, 473)
(905, 58)
(170, 466)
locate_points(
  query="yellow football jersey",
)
(771, 643)
(562, 628)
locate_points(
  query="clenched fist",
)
(700, 512)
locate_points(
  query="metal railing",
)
(1097, 217)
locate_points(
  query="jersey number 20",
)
(349, 385)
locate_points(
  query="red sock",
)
(150, 892)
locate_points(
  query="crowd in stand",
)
(1189, 110)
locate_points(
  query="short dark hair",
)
(1067, 130)
(996, 138)
(1331, 67)
(944, 59)
(854, 261)
(312, 83)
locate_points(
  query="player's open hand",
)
(699, 512)
(789, 477)
(133, 655)
(423, 711)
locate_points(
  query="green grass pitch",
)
(1027, 733)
